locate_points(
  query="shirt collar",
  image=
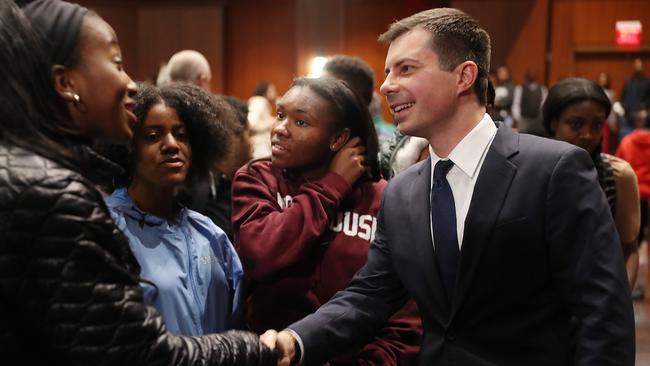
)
(125, 204)
(468, 152)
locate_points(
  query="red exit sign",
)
(628, 32)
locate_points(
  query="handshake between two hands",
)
(283, 343)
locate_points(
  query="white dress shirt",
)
(468, 157)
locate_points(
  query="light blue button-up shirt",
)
(196, 270)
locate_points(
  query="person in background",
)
(604, 81)
(636, 94)
(504, 90)
(575, 111)
(260, 117)
(188, 66)
(195, 271)
(304, 220)
(527, 103)
(355, 72)
(359, 76)
(69, 292)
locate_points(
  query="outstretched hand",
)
(350, 161)
(282, 343)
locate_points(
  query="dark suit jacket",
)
(541, 276)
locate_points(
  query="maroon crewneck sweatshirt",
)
(302, 241)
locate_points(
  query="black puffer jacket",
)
(69, 292)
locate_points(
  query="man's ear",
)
(203, 80)
(340, 139)
(63, 84)
(467, 73)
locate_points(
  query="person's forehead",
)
(99, 32)
(410, 44)
(302, 100)
(410, 47)
(161, 112)
(583, 108)
(297, 93)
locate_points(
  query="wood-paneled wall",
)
(366, 20)
(150, 32)
(583, 39)
(247, 41)
(260, 45)
(276, 41)
(517, 30)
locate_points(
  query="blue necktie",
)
(443, 219)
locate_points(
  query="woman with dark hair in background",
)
(575, 111)
(180, 132)
(304, 220)
(69, 292)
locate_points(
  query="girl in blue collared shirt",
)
(194, 267)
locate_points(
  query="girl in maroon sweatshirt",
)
(304, 220)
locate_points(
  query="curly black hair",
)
(241, 111)
(210, 122)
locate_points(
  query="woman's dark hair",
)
(208, 119)
(355, 72)
(34, 117)
(75, 56)
(350, 112)
(262, 88)
(568, 92)
(241, 112)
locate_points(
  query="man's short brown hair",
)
(456, 37)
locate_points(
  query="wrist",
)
(297, 352)
(298, 348)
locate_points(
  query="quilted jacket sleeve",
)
(69, 290)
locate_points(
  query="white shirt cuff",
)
(300, 345)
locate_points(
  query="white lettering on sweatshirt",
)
(350, 223)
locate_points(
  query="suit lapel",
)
(490, 192)
(419, 211)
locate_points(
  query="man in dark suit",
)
(504, 240)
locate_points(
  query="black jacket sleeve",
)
(69, 292)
